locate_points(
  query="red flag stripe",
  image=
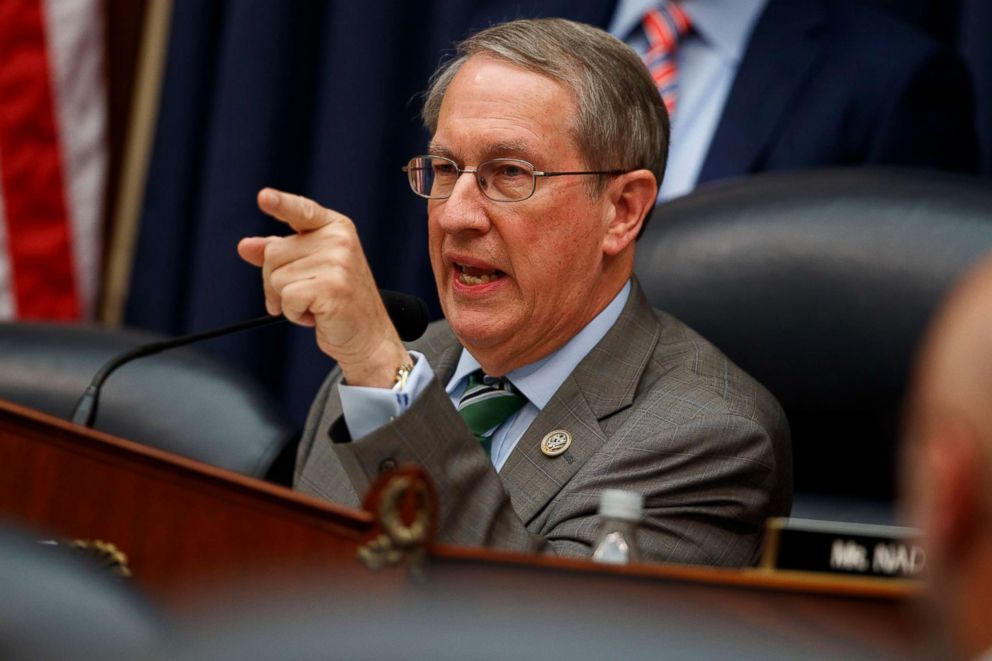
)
(38, 230)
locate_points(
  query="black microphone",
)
(408, 314)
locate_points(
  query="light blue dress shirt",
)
(367, 409)
(707, 63)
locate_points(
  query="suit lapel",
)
(602, 384)
(785, 45)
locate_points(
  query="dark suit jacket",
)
(832, 82)
(653, 408)
(823, 83)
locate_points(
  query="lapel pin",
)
(556, 442)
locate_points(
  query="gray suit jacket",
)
(653, 408)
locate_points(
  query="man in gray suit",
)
(563, 137)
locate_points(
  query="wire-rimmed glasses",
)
(499, 179)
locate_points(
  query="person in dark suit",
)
(548, 143)
(948, 460)
(766, 85)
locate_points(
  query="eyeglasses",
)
(501, 179)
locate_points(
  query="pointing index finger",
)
(300, 213)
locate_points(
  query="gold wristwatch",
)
(402, 374)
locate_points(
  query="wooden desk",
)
(177, 520)
(184, 525)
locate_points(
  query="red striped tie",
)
(664, 26)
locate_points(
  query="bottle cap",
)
(621, 504)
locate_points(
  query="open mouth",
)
(470, 275)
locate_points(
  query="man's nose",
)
(467, 178)
(465, 208)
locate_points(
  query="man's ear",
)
(632, 197)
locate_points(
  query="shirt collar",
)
(540, 380)
(724, 24)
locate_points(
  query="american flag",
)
(53, 157)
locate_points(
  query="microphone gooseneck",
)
(408, 314)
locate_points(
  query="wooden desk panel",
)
(178, 521)
(832, 616)
(185, 525)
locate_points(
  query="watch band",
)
(402, 374)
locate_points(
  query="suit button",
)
(387, 465)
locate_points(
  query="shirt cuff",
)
(367, 409)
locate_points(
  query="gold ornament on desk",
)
(106, 554)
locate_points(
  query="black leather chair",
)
(179, 400)
(59, 604)
(819, 284)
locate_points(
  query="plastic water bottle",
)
(620, 511)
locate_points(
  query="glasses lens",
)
(432, 176)
(506, 179)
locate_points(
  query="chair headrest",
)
(819, 284)
(180, 400)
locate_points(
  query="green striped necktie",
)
(486, 404)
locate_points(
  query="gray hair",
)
(622, 123)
